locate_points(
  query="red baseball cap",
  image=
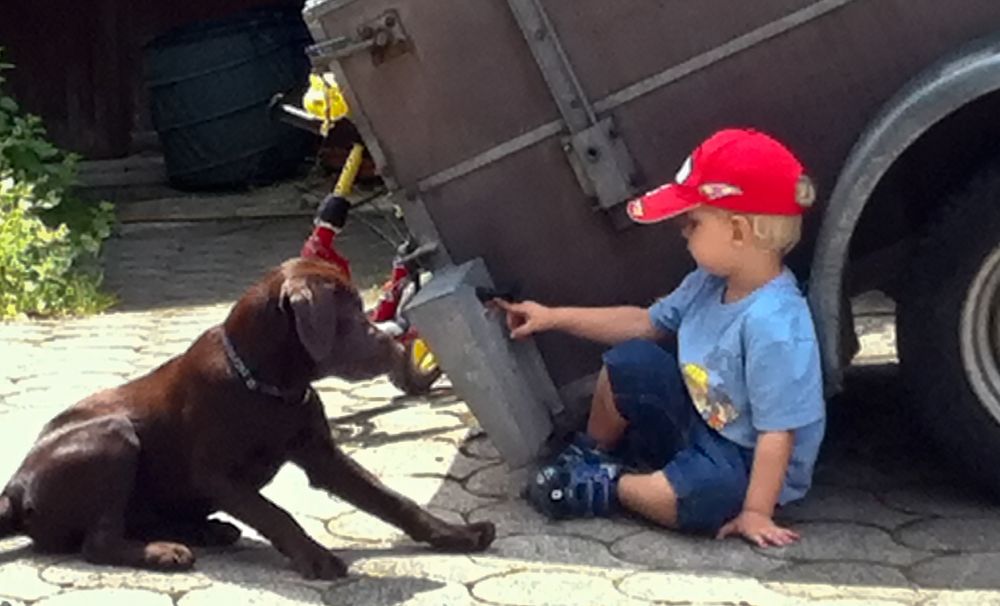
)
(739, 170)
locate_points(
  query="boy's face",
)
(710, 235)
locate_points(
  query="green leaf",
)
(43, 149)
(50, 241)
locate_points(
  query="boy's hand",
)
(758, 529)
(525, 318)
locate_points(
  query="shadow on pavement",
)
(156, 265)
(886, 515)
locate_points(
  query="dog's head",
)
(308, 313)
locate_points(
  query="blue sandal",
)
(580, 482)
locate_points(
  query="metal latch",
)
(383, 36)
(599, 157)
(602, 163)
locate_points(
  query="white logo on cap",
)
(717, 191)
(685, 171)
(635, 209)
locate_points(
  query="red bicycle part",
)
(319, 244)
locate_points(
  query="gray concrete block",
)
(504, 383)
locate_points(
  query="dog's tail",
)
(10, 523)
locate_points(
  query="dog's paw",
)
(168, 556)
(485, 533)
(318, 563)
(216, 533)
(472, 537)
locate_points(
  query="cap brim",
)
(661, 204)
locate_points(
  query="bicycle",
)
(322, 107)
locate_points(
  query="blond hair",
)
(779, 233)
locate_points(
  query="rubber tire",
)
(928, 330)
(414, 381)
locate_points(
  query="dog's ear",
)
(312, 303)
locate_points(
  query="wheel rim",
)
(422, 357)
(980, 332)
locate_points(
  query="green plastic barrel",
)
(209, 87)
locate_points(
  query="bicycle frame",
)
(349, 173)
(404, 280)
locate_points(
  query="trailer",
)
(513, 132)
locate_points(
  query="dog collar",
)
(248, 379)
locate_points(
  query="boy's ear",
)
(742, 230)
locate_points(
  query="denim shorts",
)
(709, 473)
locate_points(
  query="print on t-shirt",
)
(712, 403)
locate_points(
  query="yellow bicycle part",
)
(324, 100)
(422, 357)
(345, 182)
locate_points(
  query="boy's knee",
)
(637, 352)
(649, 495)
(642, 366)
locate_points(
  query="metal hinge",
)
(383, 36)
(602, 163)
(599, 157)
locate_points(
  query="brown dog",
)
(130, 474)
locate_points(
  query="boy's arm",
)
(608, 325)
(770, 462)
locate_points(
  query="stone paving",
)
(887, 522)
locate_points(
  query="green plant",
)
(41, 267)
(50, 240)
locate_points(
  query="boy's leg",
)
(642, 405)
(640, 416)
(585, 465)
(699, 490)
(649, 495)
(605, 424)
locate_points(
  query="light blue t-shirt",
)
(752, 365)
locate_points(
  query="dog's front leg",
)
(309, 558)
(330, 469)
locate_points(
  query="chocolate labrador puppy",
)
(130, 475)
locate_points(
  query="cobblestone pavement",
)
(886, 523)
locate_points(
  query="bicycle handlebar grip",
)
(333, 210)
(291, 115)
